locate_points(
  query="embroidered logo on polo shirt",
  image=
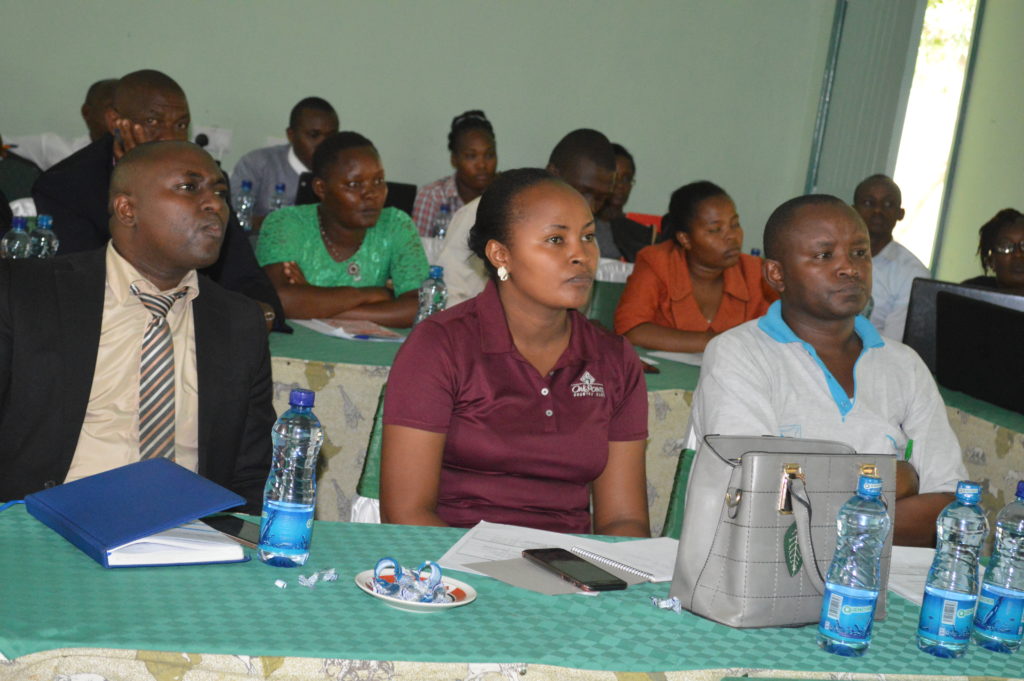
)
(587, 386)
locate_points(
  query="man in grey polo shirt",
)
(813, 367)
(312, 120)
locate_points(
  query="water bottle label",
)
(285, 528)
(1000, 613)
(946, 616)
(847, 614)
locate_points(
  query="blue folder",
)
(106, 510)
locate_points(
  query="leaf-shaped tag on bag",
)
(791, 548)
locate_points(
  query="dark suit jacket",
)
(50, 318)
(75, 192)
(630, 237)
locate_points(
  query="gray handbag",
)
(759, 527)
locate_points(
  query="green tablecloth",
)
(310, 345)
(54, 596)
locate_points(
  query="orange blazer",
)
(660, 291)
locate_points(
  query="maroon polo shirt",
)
(521, 448)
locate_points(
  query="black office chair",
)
(400, 194)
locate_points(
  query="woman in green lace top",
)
(335, 258)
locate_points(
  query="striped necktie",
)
(156, 378)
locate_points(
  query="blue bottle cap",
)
(279, 187)
(968, 492)
(301, 398)
(436, 271)
(869, 487)
(19, 223)
(1020, 490)
(44, 222)
(246, 185)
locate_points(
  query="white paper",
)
(192, 542)
(352, 330)
(494, 541)
(908, 571)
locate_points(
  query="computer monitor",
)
(921, 329)
(978, 349)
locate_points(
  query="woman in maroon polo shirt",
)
(512, 407)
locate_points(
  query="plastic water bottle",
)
(243, 205)
(44, 242)
(999, 620)
(951, 591)
(290, 495)
(433, 294)
(854, 577)
(277, 200)
(444, 216)
(16, 244)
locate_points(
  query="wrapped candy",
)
(410, 585)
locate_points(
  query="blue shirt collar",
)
(778, 330)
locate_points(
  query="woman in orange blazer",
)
(697, 282)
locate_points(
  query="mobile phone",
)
(574, 569)
(243, 531)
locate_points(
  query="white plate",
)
(462, 593)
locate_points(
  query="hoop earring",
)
(503, 273)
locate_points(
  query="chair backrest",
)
(369, 480)
(677, 502)
(648, 220)
(604, 301)
(400, 194)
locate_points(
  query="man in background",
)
(49, 148)
(617, 235)
(125, 352)
(148, 106)
(879, 203)
(584, 159)
(311, 120)
(98, 99)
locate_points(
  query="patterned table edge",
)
(93, 664)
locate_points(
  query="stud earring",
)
(503, 273)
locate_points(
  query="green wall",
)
(694, 88)
(989, 174)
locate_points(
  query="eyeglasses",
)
(1008, 249)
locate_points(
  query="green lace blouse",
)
(391, 250)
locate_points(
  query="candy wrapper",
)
(422, 585)
(672, 604)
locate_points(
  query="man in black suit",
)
(147, 106)
(72, 331)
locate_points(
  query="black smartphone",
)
(574, 569)
(243, 531)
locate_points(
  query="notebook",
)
(140, 514)
(648, 559)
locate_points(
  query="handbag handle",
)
(802, 513)
(732, 463)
